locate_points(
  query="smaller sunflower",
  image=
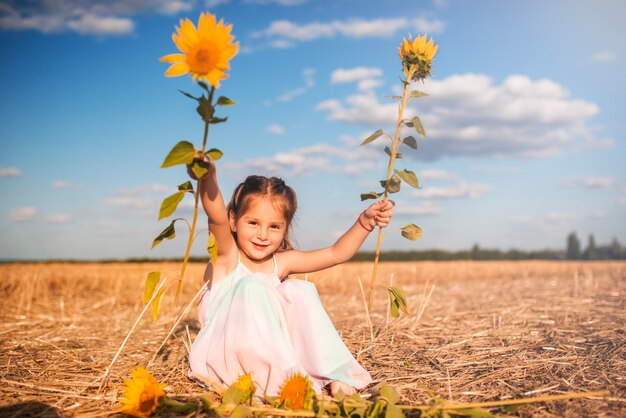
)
(206, 50)
(418, 53)
(141, 393)
(245, 383)
(297, 392)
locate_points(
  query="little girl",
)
(253, 319)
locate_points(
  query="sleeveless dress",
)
(254, 323)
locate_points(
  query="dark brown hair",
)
(254, 187)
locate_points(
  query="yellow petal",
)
(172, 58)
(177, 69)
(180, 44)
(188, 32)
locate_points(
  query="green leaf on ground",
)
(156, 304)
(400, 299)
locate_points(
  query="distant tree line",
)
(573, 251)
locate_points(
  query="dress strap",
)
(275, 264)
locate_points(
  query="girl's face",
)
(260, 230)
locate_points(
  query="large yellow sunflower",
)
(141, 393)
(206, 50)
(419, 53)
(297, 392)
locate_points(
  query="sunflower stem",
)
(195, 205)
(392, 158)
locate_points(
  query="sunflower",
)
(245, 383)
(206, 50)
(141, 393)
(297, 392)
(418, 53)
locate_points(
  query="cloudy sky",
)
(525, 120)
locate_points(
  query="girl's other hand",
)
(379, 213)
(210, 164)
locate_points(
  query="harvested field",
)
(478, 331)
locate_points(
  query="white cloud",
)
(88, 24)
(308, 76)
(353, 28)
(562, 217)
(604, 57)
(434, 174)
(59, 218)
(369, 84)
(132, 202)
(145, 189)
(468, 114)
(9, 172)
(23, 214)
(342, 75)
(460, 190)
(62, 184)
(495, 170)
(173, 7)
(277, 2)
(430, 27)
(96, 17)
(590, 182)
(425, 208)
(316, 158)
(275, 128)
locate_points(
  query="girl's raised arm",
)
(378, 214)
(215, 208)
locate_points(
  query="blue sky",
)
(525, 120)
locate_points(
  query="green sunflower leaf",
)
(182, 153)
(218, 120)
(410, 141)
(400, 299)
(212, 248)
(370, 195)
(411, 232)
(170, 204)
(409, 177)
(388, 152)
(151, 282)
(373, 137)
(417, 124)
(214, 154)
(225, 101)
(417, 93)
(168, 233)
(393, 185)
(186, 187)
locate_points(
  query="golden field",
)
(478, 331)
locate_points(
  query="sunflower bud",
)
(417, 55)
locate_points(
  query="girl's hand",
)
(379, 213)
(209, 163)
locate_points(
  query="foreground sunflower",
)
(297, 392)
(418, 53)
(206, 51)
(141, 393)
(245, 383)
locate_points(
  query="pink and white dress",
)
(254, 323)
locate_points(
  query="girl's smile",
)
(260, 231)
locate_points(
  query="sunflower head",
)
(417, 54)
(245, 383)
(141, 393)
(205, 50)
(297, 392)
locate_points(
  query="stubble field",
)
(478, 331)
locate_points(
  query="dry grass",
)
(479, 331)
